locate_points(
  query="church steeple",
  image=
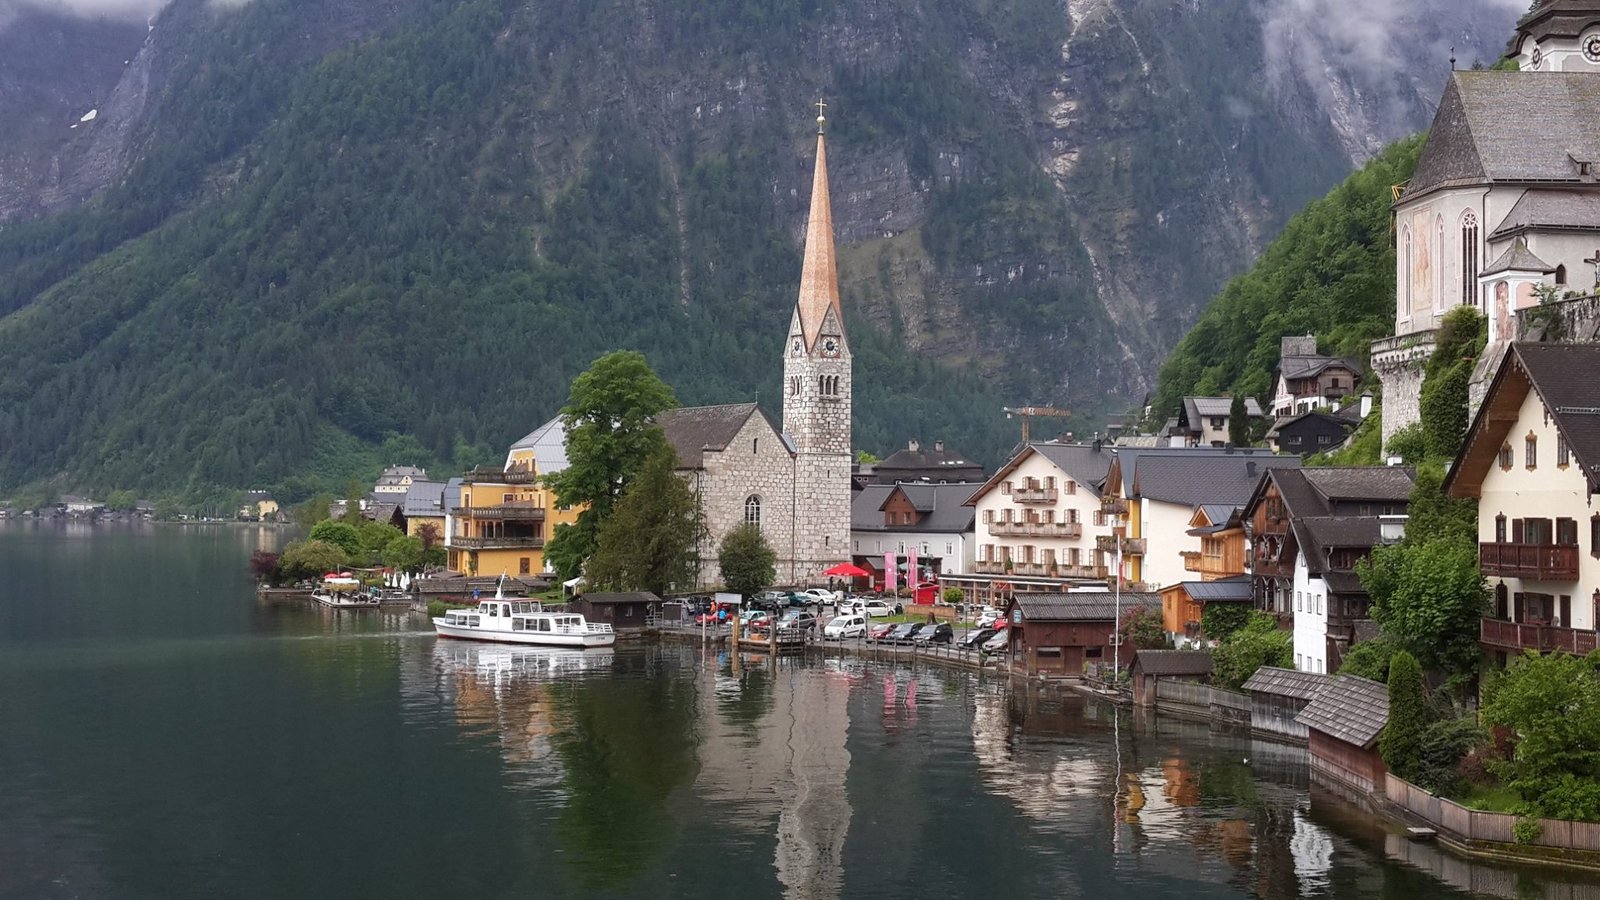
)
(819, 274)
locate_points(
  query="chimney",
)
(913, 445)
(1097, 443)
(938, 446)
(1250, 468)
(1366, 405)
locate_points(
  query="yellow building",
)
(502, 519)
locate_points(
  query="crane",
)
(1028, 413)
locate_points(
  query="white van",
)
(841, 628)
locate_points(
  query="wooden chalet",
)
(1342, 725)
(1152, 666)
(1061, 633)
(622, 610)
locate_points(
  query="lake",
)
(164, 734)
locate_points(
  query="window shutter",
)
(1517, 531)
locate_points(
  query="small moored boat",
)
(343, 591)
(522, 622)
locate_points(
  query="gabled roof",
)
(1518, 258)
(1197, 408)
(1172, 662)
(1563, 376)
(1309, 492)
(1350, 709)
(603, 598)
(942, 507)
(1320, 535)
(1189, 478)
(1311, 366)
(1224, 590)
(924, 458)
(549, 445)
(1329, 421)
(1210, 518)
(692, 430)
(1481, 130)
(1081, 606)
(1551, 209)
(424, 498)
(1287, 682)
(1084, 463)
(394, 474)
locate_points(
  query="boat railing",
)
(597, 628)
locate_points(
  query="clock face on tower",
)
(1591, 48)
(795, 347)
(830, 347)
(1538, 57)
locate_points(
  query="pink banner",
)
(890, 580)
(913, 577)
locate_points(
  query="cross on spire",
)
(821, 119)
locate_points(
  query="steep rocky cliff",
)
(1039, 193)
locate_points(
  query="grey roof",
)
(393, 474)
(1197, 408)
(601, 598)
(1226, 590)
(1311, 366)
(1343, 582)
(1552, 209)
(1086, 464)
(692, 430)
(257, 496)
(1518, 258)
(1190, 478)
(925, 458)
(1350, 709)
(1336, 421)
(1081, 606)
(1319, 535)
(452, 493)
(380, 512)
(1483, 130)
(1287, 682)
(942, 506)
(1563, 377)
(424, 498)
(1139, 440)
(549, 445)
(1309, 491)
(1219, 513)
(1173, 662)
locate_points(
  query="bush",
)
(1527, 829)
(341, 534)
(1219, 621)
(954, 595)
(1259, 643)
(1144, 628)
(1369, 659)
(1445, 745)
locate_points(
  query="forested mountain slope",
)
(316, 223)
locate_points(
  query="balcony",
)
(1519, 636)
(483, 475)
(507, 542)
(1113, 506)
(515, 511)
(1130, 546)
(1191, 561)
(1035, 495)
(1539, 562)
(1068, 530)
(1041, 570)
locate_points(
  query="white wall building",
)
(1310, 619)
(930, 519)
(1038, 518)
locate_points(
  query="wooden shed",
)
(1060, 633)
(1277, 696)
(1343, 723)
(1152, 666)
(623, 611)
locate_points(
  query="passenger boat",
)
(343, 591)
(522, 622)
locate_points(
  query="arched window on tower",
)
(1438, 270)
(1405, 272)
(794, 385)
(1469, 258)
(752, 510)
(1561, 275)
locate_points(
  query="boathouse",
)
(623, 610)
(1277, 696)
(1150, 667)
(1060, 634)
(1343, 723)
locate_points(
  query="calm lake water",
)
(163, 734)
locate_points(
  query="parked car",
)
(988, 616)
(875, 608)
(849, 625)
(880, 633)
(976, 637)
(823, 596)
(902, 634)
(797, 619)
(996, 642)
(939, 633)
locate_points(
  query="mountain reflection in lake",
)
(167, 735)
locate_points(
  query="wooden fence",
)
(1477, 825)
(1219, 703)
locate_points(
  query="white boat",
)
(343, 592)
(522, 622)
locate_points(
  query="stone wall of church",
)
(1400, 363)
(822, 513)
(755, 464)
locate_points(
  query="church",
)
(1505, 201)
(793, 483)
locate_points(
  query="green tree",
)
(1409, 717)
(1429, 598)
(747, 561)
(375, 537)
(309, 559)
(403, 553)
(121, 500)
(1551, 704)
(314, 510)
(611, 432)
(1238, 422)
(1458, 342)
(1259, 643)
(352, 501)
(1369, 659)
(1218, 621)
(649, 541)
(341, 534)
(1142, 625)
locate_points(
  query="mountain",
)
(299, 234)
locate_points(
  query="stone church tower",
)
(816, 398)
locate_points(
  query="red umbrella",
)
(848, 570)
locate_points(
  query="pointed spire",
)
(819, 274)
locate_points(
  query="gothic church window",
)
(1469, 258)
(752, 510)
(1405, 294)
(1561, 275)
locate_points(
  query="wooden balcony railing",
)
(1540, 562)
(1046, 570)
(1191, 560)
(1034, 495)
(1067, 530)
(1130, 546)
(517, 510)
(1503, 635)
(1114, 506)
(494, 543)
(500, 476)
